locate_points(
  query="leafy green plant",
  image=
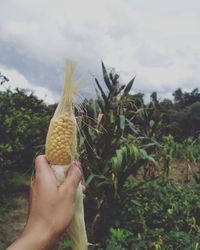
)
(24, 119)
(118, 239)
(167, 152)
(110, 153)
(160, 214)
(190, 154)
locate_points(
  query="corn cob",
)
(61, 141)
(61, 150)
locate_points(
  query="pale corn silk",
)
(61, 150)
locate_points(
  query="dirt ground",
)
(180, 172)
(13, 221)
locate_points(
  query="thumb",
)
(70, 185)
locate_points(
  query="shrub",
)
(157, 215)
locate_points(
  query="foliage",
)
(24, 121)
(166, 152)
(186, 99)
(110, 153)
(181, 118)
(158, 215)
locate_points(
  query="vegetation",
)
(157, 215)
(128, 150)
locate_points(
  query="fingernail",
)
(75, 166)
(78, 165)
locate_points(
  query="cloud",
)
(158, 42)
(16, 80)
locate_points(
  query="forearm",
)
(33, 240)
(27, 242)
(48, 218)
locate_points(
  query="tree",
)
(24, 122)
(194, 119)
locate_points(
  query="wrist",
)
(34, 238)
(40, 234)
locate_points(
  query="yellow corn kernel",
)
(61, 141)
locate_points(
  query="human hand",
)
(51, 206)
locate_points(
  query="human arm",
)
(51, 207)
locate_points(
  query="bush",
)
(24, 122)
(157, 215)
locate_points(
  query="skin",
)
(51, 207)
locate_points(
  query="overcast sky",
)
(157, 40)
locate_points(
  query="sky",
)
(157, 41)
